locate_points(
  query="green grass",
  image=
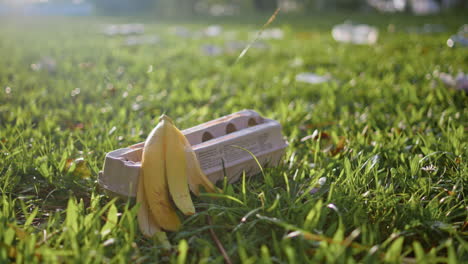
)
(383, 122)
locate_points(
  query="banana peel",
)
(154, 179)
(176, 171)
(169, 169)
(147, 225)
(196, 177)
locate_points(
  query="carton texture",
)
(224, 146)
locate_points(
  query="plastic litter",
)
(223, 10)
(211, 50)
(123, 29)
(273, 33)
(141, 40)
(388, 6)
(458, 82)
(45, 63)
(213, 31)
(182, 32)
(234, 46)
(355, 33)
(425, 7)
(230, 47)
(418, 7)
(320, 183)
(460, 39)
(311, 78)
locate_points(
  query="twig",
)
(271, 19)
(218, 243)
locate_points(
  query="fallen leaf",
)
(20, 233)
(78, 168)
(339, 147)
(326, 144)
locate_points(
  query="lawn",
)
(383, 178)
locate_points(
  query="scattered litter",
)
(45, 63)
(75, 92)
(273, 33)
(424, 7)
(388, 6)
(320, 183)
(112, 130)
(333, 207)
(182, 32)
(355, 33)
(427, 29)
(122, 167)
(234, 46)
(459, 82)
(108, 242)
(418, 7)
(312, 78)
(210, 31)
(216, 9)
(230, 47)
(207, 32)
(457, 41)
(429, 168)
(123, 29)
(316, 135)
(213, 31)
(211, 50)
(141, 40)
(136, 107)
(223, 10)
(460, 39)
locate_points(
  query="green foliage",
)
(390, 142)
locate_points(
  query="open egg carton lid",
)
(220, 146)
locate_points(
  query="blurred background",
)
(165, 8)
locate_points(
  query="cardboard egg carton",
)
(220, 146)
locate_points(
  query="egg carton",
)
(227, 146)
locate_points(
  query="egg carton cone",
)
(227, 146)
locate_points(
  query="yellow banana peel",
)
(153, 172)
(147, 225)
(196, 176)
(176, 171)
(169, 168)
